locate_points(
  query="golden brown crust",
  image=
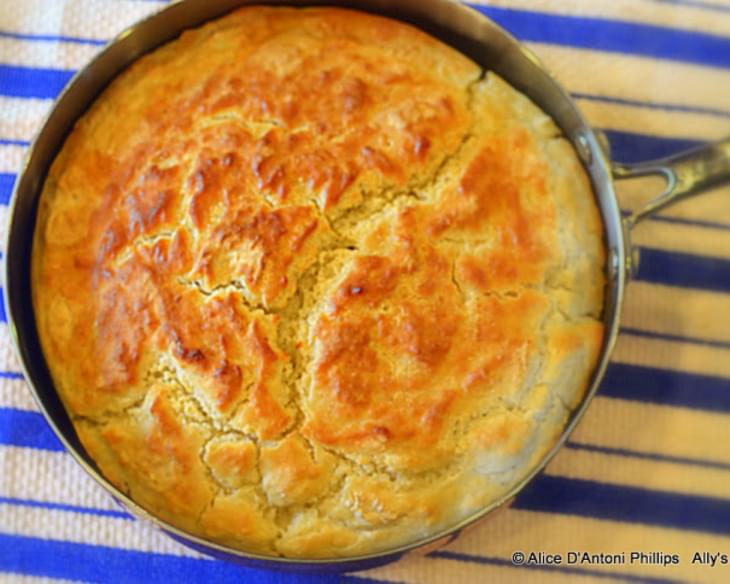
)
(309, 284)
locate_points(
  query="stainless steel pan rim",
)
(465, 29)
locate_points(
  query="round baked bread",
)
(311, 283)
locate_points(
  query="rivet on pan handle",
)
(688, 173)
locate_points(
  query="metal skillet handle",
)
(687, 174)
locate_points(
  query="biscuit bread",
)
(311, 283)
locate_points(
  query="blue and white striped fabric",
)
(649, 467)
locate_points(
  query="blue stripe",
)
(675, 338)
(697, 4)
(27, 429)
(665, 387)
(701, 462)
(11, 375)
(90, 563)
(49, 38)
(629, 504)
(632, 148)
(614, 575)
(684, 270)
(13, 142)
(31, 82)
(7, 181)
(691, 222)
(682, 221)
(3, 316)
(614, 36)
(66, 508)
(672, 107)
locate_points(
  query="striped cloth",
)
(649, 467)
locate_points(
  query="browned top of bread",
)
(310, 283)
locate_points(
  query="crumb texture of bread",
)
(312, 284)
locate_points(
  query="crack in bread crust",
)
(328, 303)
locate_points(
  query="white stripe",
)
(4, 215)
(656, 429)
(73, 17)
(677, 311)
(15, 394)
(684, 238)
(639, 78)
(6, 578)
(51, 477)
(46, 54)
(8, 359)
(672, 355)
(22, 118)
(89, 529)
(11, 158)
(710, 206)
(25, 16)
(668, 15)
(656, 122)
(641, 473)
